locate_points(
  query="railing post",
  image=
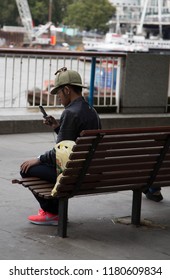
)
(93, 67)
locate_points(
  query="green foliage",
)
(8, 13)
(88, 14)
(39, 11)
(59, 10)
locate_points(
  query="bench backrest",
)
(117, 159)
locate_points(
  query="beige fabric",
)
(63, 151)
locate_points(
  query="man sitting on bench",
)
(77, 116)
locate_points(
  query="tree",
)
(39, 11)
(88, 14)
(8, 13)
(59, 8)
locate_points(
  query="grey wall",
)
(145, 83)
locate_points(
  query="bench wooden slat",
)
(42, 190)
(116, 153)
(22, 180)
(45, 194)
(110, 182)
(75, 168)
(111, 161)
(119, 167)
(119, 131)
(116, 160)
(98, 187)
(111, 168)
(40, 187)
(120, 138)
(120, 145)
(105, 176)
(34, 183)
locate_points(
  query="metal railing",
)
(26, 76)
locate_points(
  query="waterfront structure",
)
(150, 17)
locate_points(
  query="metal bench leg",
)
(136, 207)
(63, 210)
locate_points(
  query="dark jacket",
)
(77, 116)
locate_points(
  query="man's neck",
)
(74, 97)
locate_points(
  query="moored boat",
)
(36, 96)
(125, 43)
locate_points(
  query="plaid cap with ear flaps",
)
(66, 77)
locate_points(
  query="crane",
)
(26, 19)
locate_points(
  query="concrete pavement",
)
(98, 225)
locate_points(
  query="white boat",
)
(153, 43)
(125, 43)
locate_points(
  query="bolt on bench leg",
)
(63, 214)
(136, 207)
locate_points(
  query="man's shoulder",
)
(76, 105)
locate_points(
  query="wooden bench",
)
(107, 161)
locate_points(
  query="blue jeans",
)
(152, 190)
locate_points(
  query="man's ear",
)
(67, 90)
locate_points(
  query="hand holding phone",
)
(43, 111)
(49, 120)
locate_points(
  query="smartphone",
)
(43, 111)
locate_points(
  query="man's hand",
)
(51, 121)
(27, 164)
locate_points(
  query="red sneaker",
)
(44, 218)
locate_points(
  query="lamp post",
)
(50, 10)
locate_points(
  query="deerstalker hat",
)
(66, 77)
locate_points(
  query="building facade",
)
(151, 17)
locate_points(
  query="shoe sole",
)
(48, 223)
(156, 198)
